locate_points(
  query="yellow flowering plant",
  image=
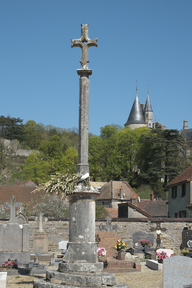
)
(121, 245)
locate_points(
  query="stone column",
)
(83, 166)
(82, 245)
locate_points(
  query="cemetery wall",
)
(58, 230)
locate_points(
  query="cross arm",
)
(76, 43)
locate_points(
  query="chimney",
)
(152, 196)
(185, 124)
(121, 193)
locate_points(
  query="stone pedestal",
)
(40, 242)
(82, 245)
(121, 255)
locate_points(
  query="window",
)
(182, 214)
(175, 214)
(183, 193)
(174, 192)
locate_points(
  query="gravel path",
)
(147, 278)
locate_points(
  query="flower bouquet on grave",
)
(120, 246)
(161, 255)
(9, 264)
(101, 253)
(144, 243)
(185, 252)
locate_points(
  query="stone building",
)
(116, 192)
(142, 115)
(187, 135)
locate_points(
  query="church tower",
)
(136, 119)
(148, 112)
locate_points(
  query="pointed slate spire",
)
(136, 114)
(148, 104)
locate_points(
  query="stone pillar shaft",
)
(83, 166)
(82, 245)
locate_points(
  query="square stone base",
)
(22, 257)
(42, 256)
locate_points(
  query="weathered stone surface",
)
(81, 251)
(43, 284)
(81, 267)
(22, 257)
(84, 279)
(177, 271)
(59, 230)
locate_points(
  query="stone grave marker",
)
(14, 239)
(40, 241)
(63, 245)
(177, 272)
(140, 235)
(3, 279)
(186, 236)
(168, 251)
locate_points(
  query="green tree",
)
(69, 161)
(95, 157)
(35, 133)
(108, 136)
(166, 149)
(51, 147)
(101, 212)
(36, 168)
(12, 128)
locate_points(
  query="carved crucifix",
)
(84, 43)
(158, 230)
(12, 205)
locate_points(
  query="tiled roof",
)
(113, 213)
(112, 190)
(139, 210)
(25, 183)
(22, 193)
(97, 184)
(154, 208)
(185, 175)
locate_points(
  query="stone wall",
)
(58, 230)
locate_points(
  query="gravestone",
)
(140, 235)
(177, 272)
(3, 279)
(81, 267)
(108, 226)
(63, 246)
(14, 239)
(186, 236)
(12, 205)
(168, 251)
(21, 218)
(40, 240)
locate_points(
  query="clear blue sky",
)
(145, 40)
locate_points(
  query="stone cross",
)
(158, 229)
(84, 43)
(12, 205)
(41, 222)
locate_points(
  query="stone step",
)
(122, 266)
(84, 279)
(42, 283)
(80, 267)
(121, 270)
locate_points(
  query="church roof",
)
(136, 114)
(148, 104)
